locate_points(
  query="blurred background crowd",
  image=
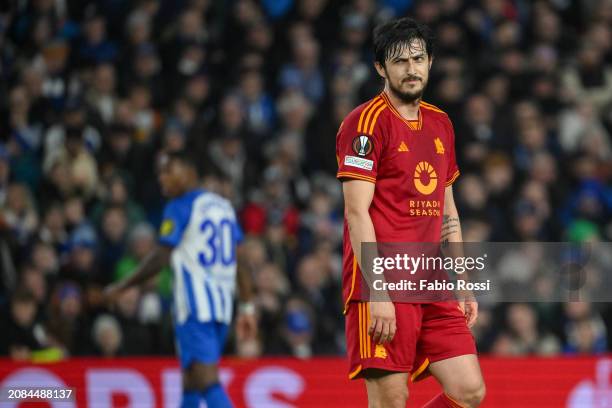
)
(92, 92)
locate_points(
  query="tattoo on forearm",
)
(450, 226)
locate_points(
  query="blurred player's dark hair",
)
(392, 37)
(186, 157)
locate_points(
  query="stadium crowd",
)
(92, 92)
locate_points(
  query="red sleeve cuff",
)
(453, 178)
(355, 176)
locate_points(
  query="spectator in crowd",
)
(33, 280)
(4, 174)
(272, 289)
(81, 260)
(297, 329)
(116, 194)
(319, 222)
(24, 136)
(585, 332)
(304, 74)
(102, 96)
(74, 117)
(94, 46)
(107, 336)
(67, 322)
(22, 333)
(136, 337)
(589, 79)
(113, 238)
(75, 215)
(138, 32)
(280, 246)
(316, 284)
(258, 106)
(53, 228)
(523, 335)
(74, 158)
(19, 213)
(144, 117)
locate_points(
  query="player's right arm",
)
(359, 144)
(358, 196)
(246, 319)
(357, 199)
(148, 268)
(175, 219)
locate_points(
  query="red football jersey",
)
(411, 163)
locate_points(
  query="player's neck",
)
(192, 186)
(408, 110)
(189, 187)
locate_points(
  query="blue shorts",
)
(200, 342)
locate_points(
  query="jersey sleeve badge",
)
(166, 228)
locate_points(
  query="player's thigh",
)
(386, 389)
(363, 353)
(199, 376)
(444, 333)
(459, 376)
(200, 345)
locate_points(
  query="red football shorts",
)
(426, 333)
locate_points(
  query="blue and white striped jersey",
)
(203, 231)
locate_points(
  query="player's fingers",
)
(253, 328)
(372, 326)
(377, 331)
(244, 328)
(472, 320)
(239, 329)
(392, 331)
(392, 327)
(384, 336)
(462, 307)
(473, 315)
(469, 312)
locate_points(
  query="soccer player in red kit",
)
(396, 159)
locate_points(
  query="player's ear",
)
(380, 69)
(431, 58)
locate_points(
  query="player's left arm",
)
(246, 319)
(451, 226)
(245, 282)
(451, 233)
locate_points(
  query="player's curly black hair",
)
(184, 156)
(392, 37)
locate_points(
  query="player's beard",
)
(408, 96)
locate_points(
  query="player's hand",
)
(246, 326)
(470, 310)
(382, 322)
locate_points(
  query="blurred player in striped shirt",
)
(199, 238)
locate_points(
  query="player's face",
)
(407, 73)
(171, 177)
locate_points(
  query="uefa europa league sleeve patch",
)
(362, 145)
